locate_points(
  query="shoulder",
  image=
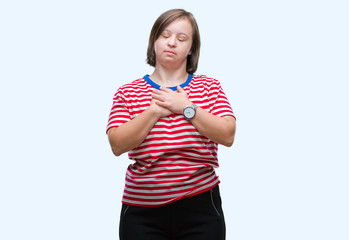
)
(139, 83)
(205, 80)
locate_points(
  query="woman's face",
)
(174, 43)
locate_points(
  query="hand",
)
(175, 101)
(159, 111)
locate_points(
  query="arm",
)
(219, 129)
(131, 134)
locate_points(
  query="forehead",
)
(180, 25)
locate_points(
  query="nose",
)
(172, 41)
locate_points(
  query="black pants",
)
(194, 218)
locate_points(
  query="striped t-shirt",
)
(174, 161)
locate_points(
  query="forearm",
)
(219, 129)
(131, 134)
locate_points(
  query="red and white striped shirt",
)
(174, 161)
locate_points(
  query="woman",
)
(170, 123)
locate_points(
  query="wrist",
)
(184, 105)
(153, 111)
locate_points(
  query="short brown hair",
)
(161, 23)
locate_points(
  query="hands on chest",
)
(167, 101)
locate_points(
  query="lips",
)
(170, 52)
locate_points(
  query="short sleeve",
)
(119, 112)
(221, 106)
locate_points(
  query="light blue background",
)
(283, 64)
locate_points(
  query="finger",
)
(156, 91)
(162, 104)
(156, 96)
(165, 89)
(179, 89)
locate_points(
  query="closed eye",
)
(165, 34)
(182, 37)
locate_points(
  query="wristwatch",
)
(189, 112)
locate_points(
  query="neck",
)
(168, 77)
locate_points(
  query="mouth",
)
(170, 52)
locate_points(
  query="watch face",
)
(189, 112)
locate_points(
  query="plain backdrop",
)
(283, 65)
